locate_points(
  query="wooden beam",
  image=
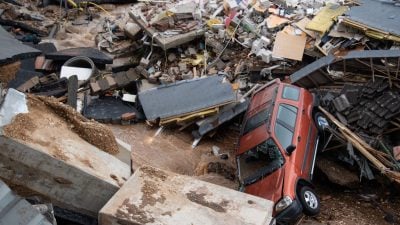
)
(356, 142)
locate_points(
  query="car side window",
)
(256, 121)
(291, 93)
(285, 124)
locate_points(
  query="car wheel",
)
(320, 121)
(310, 201)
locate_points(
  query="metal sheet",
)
(185, 97)
(226, 114)
(314, 74)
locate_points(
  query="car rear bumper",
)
(291, 214)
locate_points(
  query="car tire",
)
(320, 121)
(310, 201)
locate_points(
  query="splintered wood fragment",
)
(357, 142)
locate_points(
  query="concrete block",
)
(132, 30)
(111, 81)
(153, 196)
(14, 210)
(81, 178)
(95, 87)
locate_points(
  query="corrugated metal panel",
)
(314, 74)
(17, 211)
(185, 97)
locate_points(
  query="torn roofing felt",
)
(96, 55)
(185, 97)
(375, 14)
(11, 49)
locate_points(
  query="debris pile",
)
(193, 66)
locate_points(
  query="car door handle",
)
(298, 139)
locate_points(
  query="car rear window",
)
(285, 124)
(291, 93)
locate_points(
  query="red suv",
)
(277, 150)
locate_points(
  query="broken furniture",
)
(154, 196)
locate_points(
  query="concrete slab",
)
(14, 210)
(11, 49)
(152, 196)
(70, 185)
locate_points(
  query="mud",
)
(21, 127)
(199, 199)
(131, 212)
(8, 72)
(171, 150)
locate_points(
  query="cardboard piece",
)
(289, 46)
(302, 26)
(275, 21)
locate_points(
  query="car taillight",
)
(285, 202)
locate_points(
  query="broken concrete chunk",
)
(15, 210)
(14, 104)
(151, 195)
(132, 30)
(11, 49)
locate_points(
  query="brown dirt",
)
(8, 72)
(149, 171)
(149, 189)
(132, 212)
(343, 206)
(21, 127)
(93, 132)
(171, 150)
(199, 199)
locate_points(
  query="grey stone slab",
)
(11, 49)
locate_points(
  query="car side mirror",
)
(290, 149)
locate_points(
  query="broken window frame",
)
(258, 174)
